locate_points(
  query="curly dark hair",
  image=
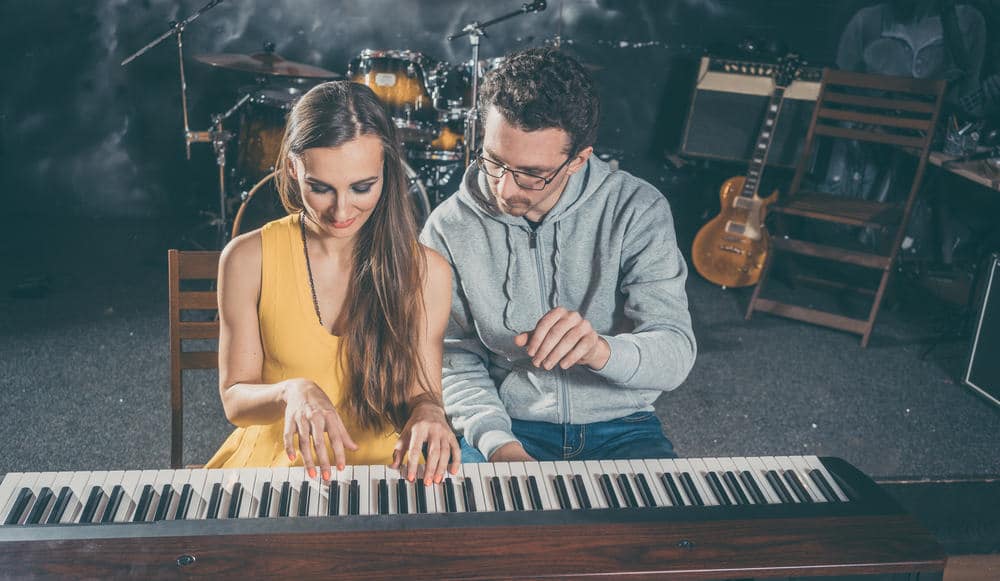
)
(540, 88)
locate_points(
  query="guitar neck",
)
(758, 158)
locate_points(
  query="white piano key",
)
(608, 467)
(713, 465)
(344, 478)
(701, 481)
(640, 467)
(230, 476)
(365, 492)
(295, 475)
(759, 470)
(279, 476)
(519, 473)
(534, 469)
(376, 473)
(802, 468)
(579, 468)
(45, 480)
(728, 465)
(625, 467)
(816, 463)
(592, 477)
(77, 483)
(502, 470)
(563, 469)
(655, 468)
(212, 477)
(28, 480)
(180, 478)
(785, 462)
(486, 473)
(392, 477)
(163, 477)
(469, 475)
(772, 463)
(550, 472)
(197, 502)
(683, 465)
(9, 489)
(97, 478)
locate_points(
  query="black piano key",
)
(534, 494)
(305, 494)
(692, 491)
(214, 502)
(580, 489)
(236, 499)
(609, 492)
(562, 494)
(644, 491)
(264, 510)
(734, 488)
(354, 498)
(285, 500)
(163, 507)
(402, 498)
(779, 488)
(751, 483)
(468, 495)
(333, 508)
(184, 504)
(421, 490)
(93, 500)
(113, 503)
(450, 502)
(627, 493)
(515, 493)
(383, 496)
(797, 486)
(717, 490)
(38, 510)
(65, 495)
(20, 505)
(671, 489)
(824, 487)
(497, 491)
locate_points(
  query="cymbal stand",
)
(215, 135)
(476, 30)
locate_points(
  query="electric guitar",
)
(730, 249)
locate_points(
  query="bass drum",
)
(262, 204)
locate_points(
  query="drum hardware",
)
(476, 30)
(214, 135)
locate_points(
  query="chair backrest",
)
(186, 266)
(898, 111)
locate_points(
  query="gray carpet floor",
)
(84, 370)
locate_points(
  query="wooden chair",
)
(897, 111)
(182, 266)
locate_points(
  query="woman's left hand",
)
(427, 426)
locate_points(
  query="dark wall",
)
(82, 135)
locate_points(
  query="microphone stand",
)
(476, 30)
(215, 135)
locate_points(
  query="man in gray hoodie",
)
(569, 315)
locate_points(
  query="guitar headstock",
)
(789, 68)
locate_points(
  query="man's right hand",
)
(511, 452)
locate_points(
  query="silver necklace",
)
(305, 250)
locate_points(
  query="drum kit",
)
(431, 102)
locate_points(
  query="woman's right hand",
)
(309, 413)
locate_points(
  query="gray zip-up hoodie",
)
(607, 250)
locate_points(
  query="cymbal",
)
(265, 63)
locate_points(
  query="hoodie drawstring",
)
(508, 298)
(557, 252)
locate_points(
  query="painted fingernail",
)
(312, 473)
(291, 456)
(326, 475)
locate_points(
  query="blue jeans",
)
(638, 435)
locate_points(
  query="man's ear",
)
(580, 160)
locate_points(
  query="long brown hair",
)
(384, 301)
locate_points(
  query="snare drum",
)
(262, 125)
(398, 77)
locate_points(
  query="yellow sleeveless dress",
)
(295, 345)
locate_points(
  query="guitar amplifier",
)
(727, 109)
(983, 372)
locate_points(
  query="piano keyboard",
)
(133, 496)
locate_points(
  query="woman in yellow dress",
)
(332, 318)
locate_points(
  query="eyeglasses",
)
(523, 179)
